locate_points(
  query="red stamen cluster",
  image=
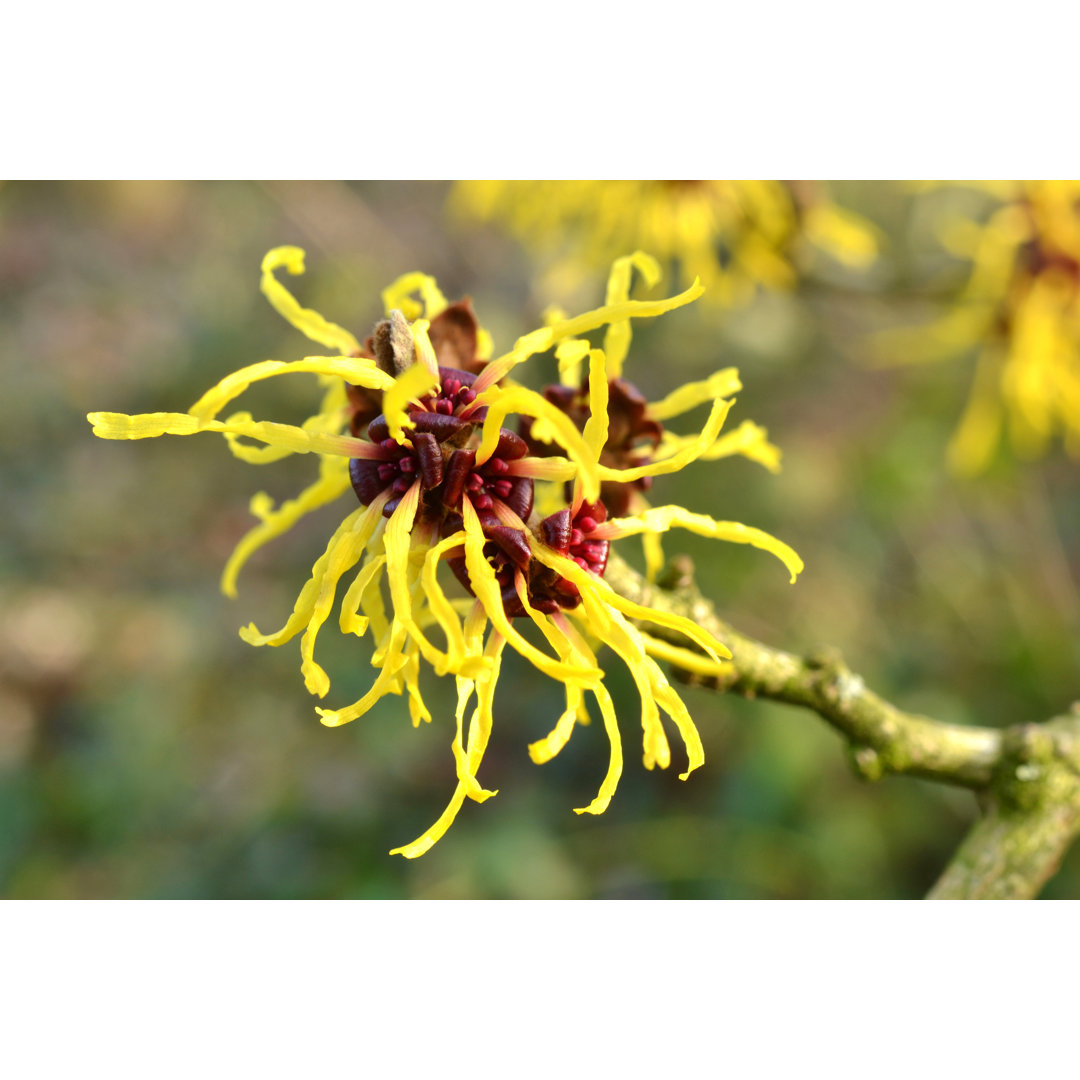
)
(440, 452)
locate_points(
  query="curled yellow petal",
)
(653, 549)
(570, 354)
(408, 387)
(110, 425)
(619, 635)
(418, 710)
(398, 295)
(425, 351)
(333, 481)
(307, 321)
(674, 706)
(392, 664)
(441, 608)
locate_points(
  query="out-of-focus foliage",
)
(145, 750)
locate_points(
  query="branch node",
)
(867, 763)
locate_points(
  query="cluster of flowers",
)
(1020, 312)
(738, 236)
(413, 422)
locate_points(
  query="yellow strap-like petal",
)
(690, 452)
(570, 354)
(411, 385)
(750, 440)
(518, 399)
(359, 372)
(348, 619)
(333, 481)
(305, 602)
(674, 706)
(331, 418)
(619, 636)
(661, 518)
(305, 320)
(479, 735)
(484, 584)
(542, 340)
(653, 549)
(483, 716)
(441, 608)
(596, 427)
(663, 695)
(150, 425)
(611, 780)
(543, 750)
(585, 580)
(685, 658)
(721, 384)
(394, 661)
(344, 555)
(252, 455)
(556, 469)
(425, 351)
(618, 335)
(418, 710)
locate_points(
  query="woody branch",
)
(1027, 776)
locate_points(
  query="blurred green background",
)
(145, 751)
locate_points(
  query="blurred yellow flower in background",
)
(735, 235)
(1019, 311)
(412, 421)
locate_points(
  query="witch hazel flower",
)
(465, 532)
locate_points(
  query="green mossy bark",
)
(1028, 776)
(1031, 817)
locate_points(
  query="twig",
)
(1029, 775)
